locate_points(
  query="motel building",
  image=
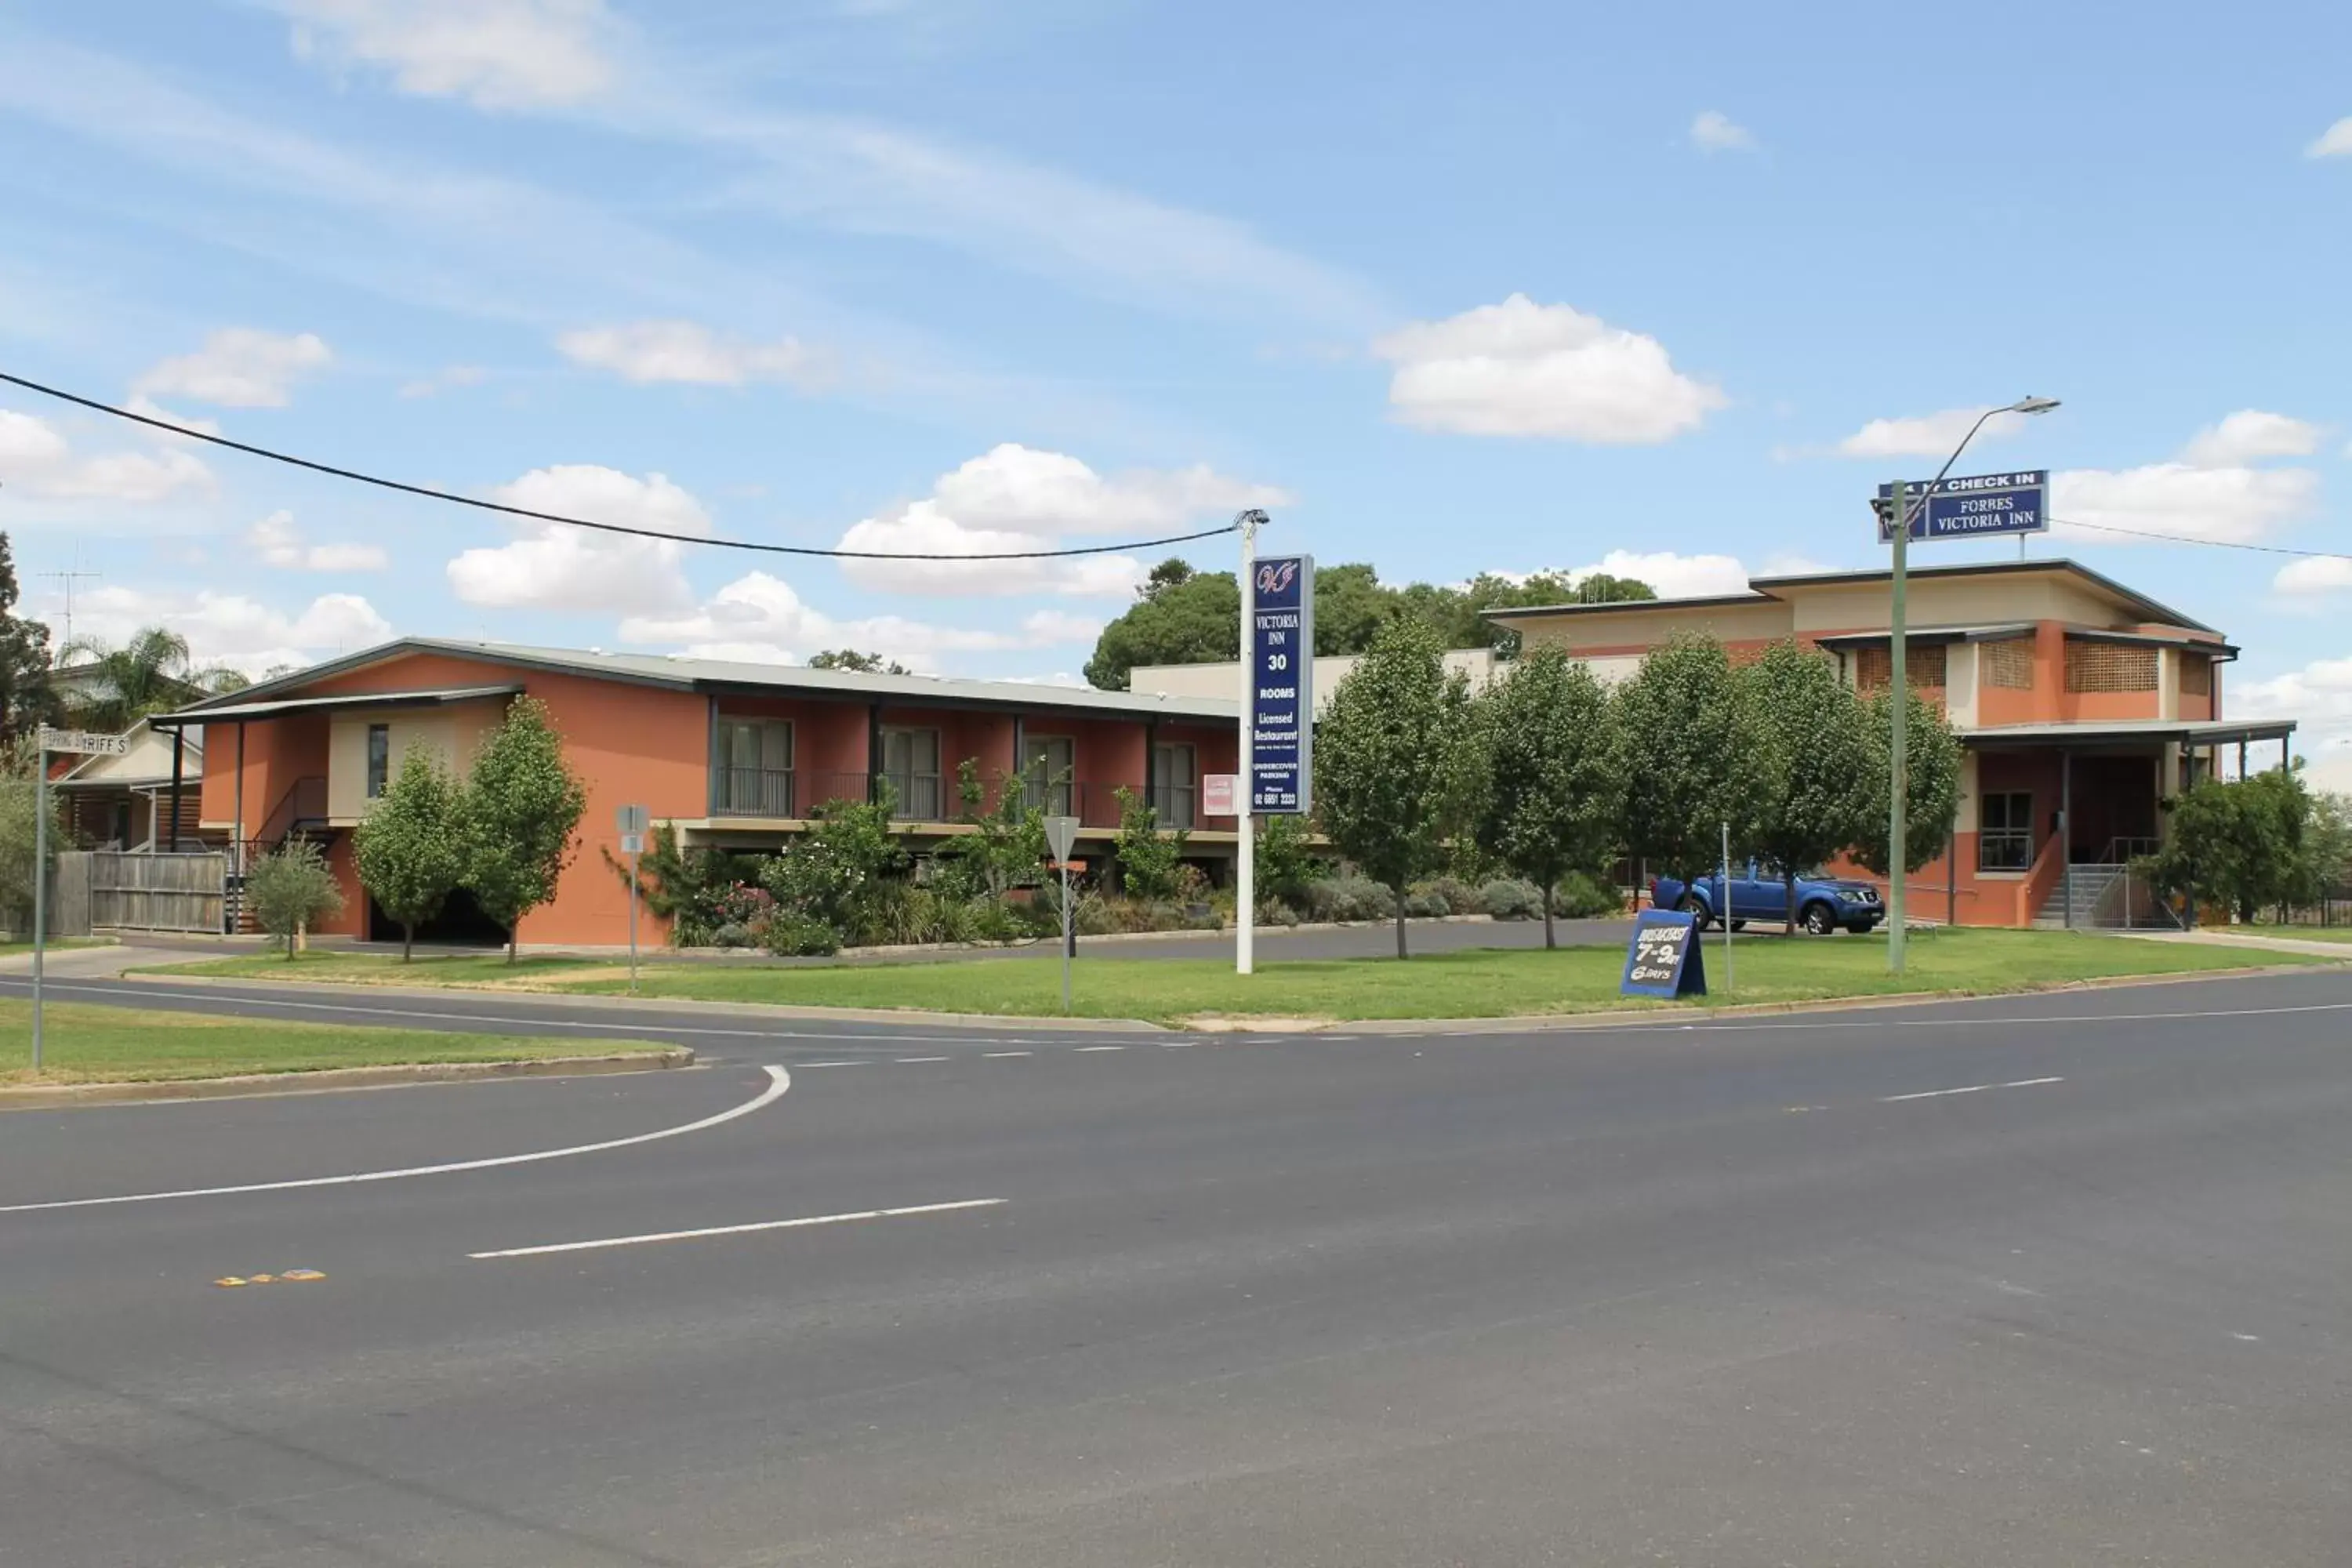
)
(2077, 700)
(731, 755)
(2079, 704)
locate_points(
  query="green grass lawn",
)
(2291, 933)
(1476, 983)
(111, 1045)
(55, 944)
(374, 969)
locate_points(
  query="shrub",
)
(1274, 912)
(1150, 864)
(795, 935)
(843, 872)
(1349, 898)
(1285, 867)
(1423, 903)
(291, 888)
(735, 936)
(1580, 896)
(1507, 898)
(1461, 898)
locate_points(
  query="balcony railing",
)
(1177, 806)
(756, 791)
(932, 797)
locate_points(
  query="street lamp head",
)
(2031, 405)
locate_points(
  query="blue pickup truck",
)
(1825, 904)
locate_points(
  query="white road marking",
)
(1177, 1045)
(738, 1229)
(922, 1058)
(1102, 1047)
(1970, 1089)
(779, 1082)
(848, 1064)
(994, 1054)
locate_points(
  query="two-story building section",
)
(2080, 705)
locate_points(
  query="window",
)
(379, 761)
(751, 768)
(2009, 664)
(1048, 763)
(1923, 664)
(2005, 832)
(1174, 786)
(2196, 675)
(2109, 666)
(910, 761)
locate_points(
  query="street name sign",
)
(1665, 958)
(1281, 660)
(84, 741)
(1976, 506)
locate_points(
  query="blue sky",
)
(1486, 286)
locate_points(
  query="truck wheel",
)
(1818, 921)
(1739, 925)
(1692, 907)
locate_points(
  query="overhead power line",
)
(2214, 543)
(429, 493)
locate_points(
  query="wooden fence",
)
(158, 892)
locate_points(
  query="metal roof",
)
(680, 673)
(1763, 590)
(2197, 732)
(231, 708)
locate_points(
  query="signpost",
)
(1665, 958)
(47, 741)
(630, 822)
(1061, 838)
(1979, 505)
(1277, 713)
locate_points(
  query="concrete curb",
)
(327, 1080)
(628, 1005)
(1670, 1013)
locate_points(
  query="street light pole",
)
(1898, 769)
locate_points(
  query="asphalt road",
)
(1752, 1293)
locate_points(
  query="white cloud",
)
(760, 619)
(2335, 142)
(239, 367)
(1675, 576)
(2249, 436)
(1715, 131)
(1016, 497)
(38, 460)
(2314, 575)
(500, 54)
(229, 628)
(1924, 435)
(1523, 369)
(690, 352)
(554, 566)
(2318, 697)
(140, 403)
(279, 544)
(2232, 505)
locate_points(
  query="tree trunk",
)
(1788, 902)
(511, 943)
(1549, 943)
(1400, 919)
(407, 938)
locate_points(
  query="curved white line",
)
(780, 1082)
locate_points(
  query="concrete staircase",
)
(2090, 887)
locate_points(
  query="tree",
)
(1553, 790)
(19, 835)
(26, 699)
(291, 888)
(1810, 800)
(410, 849)
(1387, 768)
(1287, 861)
(1931, 755)
(1180, 616)
(151, 673)
(841, 873)
(1691, 762)
(520, 806)
(1150, 862)
(863, 663)
(2244, 845)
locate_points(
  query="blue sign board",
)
(1665, 958)
(1980, 506)
(1281, 657)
